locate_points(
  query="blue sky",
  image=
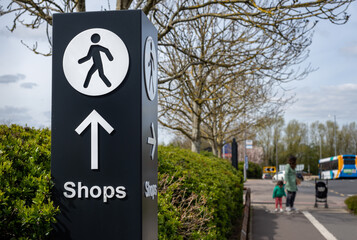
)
(25, 78)
(332, 88)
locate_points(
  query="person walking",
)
(278, 194)
(290, 183)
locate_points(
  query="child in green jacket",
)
(278, 194)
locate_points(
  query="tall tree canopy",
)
(269, 16)
(219, 59)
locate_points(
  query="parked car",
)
(266, 176)
(279, 176)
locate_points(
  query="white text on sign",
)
(82, 191)
(151, 190)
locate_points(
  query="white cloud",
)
(10, 78)
(28, 85)
(10, 114)
(351, 49)
(319, 104)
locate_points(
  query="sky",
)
(331, 90)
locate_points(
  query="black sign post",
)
(104, 125)
(235, 153)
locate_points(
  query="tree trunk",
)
(196, 145)
(80, 5)
(219, 151)
(214, 147)
(123, 4)
(196, 128)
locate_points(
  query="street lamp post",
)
(334, 133)
(320, 147)
(276, 158)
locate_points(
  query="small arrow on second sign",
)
(152, 141)
(93, 119)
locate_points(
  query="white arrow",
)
(152, 141)
(94, 118)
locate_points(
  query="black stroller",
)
(321, 192)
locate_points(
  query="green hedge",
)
(254, 170)
(199, 196)
(26, 211)
(351, 203)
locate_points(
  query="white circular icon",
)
(150, 68)
(95, 62)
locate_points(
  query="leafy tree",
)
(264, 138)
(309, 144)
(317, 137)
(296, 135)
(352, 129)
(331, 131)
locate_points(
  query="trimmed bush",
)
(25, 207)
(254, 170)
(351, 203)
(199, 197)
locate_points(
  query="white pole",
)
(320, 147)
(334, 133)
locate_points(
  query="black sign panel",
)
(104, 125)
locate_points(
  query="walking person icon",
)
(151, 65)
(96, 61)
(150, 68)
(94, 53)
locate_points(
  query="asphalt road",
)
(337, 188)
(343, 187)
(308, 222)
(340, 225)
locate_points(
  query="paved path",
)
(306, 223)
(274, 226)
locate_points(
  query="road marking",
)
(319, 226)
